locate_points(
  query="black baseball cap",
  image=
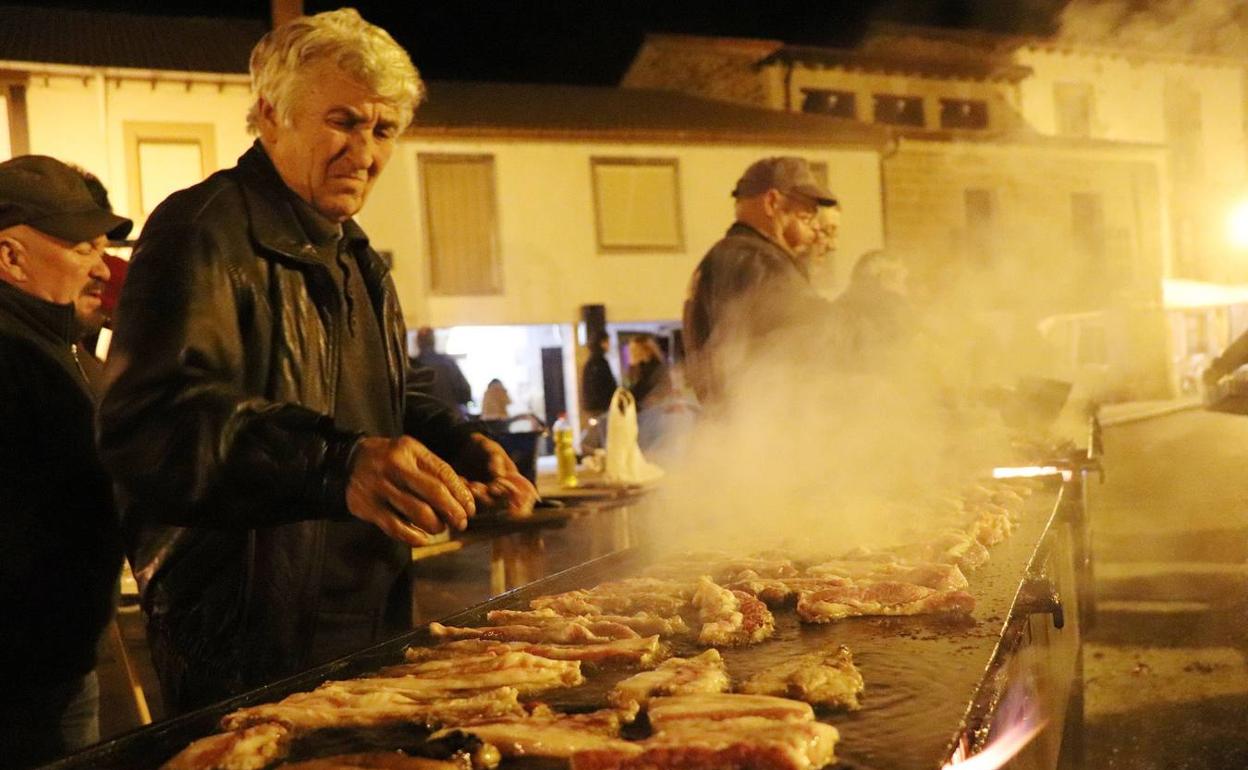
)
(787, 174)
(52, 197)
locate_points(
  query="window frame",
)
(595, 161)
(135, 133)
(422, 161)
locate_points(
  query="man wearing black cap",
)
(755, 280)
(60, 549)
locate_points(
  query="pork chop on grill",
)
(703, 673)
(248, 748)
(882, 598)
(333, 706)
(820, 678)
(545, 733)
(730, 617)
(644, 623)
(643, 652)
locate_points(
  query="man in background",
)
(274, 469)
(60, 546)
(755, 280)
(448, 385)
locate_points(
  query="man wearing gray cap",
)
(755, 280)
(60, 548)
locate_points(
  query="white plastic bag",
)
(625, 463)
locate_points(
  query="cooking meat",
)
(526, 672)
(334, 706)
(249, 748)
(545, 733)
(376, 760)
(882, 598)
(567, 631)
(704, 673)
(643, 652)
(730, 617)
(644, 623)
(820, 678)
(722, 567)
(717, 706)
(941, 577)
(622, 597)
(742, 743)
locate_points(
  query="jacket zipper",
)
(78, 362)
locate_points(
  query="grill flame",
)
(1002, 749)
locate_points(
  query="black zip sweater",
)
(60, 547)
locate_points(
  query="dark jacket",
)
(216, 422)
(597, 383)
(745, 289)
(448, 384)
(650, 382)
(60, 548)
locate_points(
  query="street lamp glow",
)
(1237, 225)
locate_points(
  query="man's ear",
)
(771, 202)
(268, 118)
(13, 261)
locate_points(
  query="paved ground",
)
(1167, 662)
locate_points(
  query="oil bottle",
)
(565, 453)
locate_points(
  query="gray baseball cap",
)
(52, 197)
(787, 174)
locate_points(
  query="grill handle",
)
(1038, 596)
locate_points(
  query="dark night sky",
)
(592, 41)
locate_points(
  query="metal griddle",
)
(926, 676)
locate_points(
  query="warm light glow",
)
(1237, 225)
(1026, 472)
(1001, 750)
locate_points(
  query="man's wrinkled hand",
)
(503, 482)
(406, 491)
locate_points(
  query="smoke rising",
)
(1206, 27)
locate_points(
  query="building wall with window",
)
(1194, 106)
(549, 246)
(1088, 239)
(143, 134)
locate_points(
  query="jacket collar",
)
(275, 222)
(51, 322)
(749, 231)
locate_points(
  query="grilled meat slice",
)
(820, 678)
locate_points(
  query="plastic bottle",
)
(565, 453)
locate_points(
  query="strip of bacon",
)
(622, 597)
(527, 673)
(334, 706)
(776, 592)
(942, 577)
(250, 748)
(730, 617)
(664, 712)
(644, 652)
(704, 673)
(644, 623)
(545, 733)
(744, 743)
(882, 598)
(568, 632)
(378, 760)
(821, 678)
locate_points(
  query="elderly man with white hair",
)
(272, 465)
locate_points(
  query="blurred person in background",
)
(598, 385)
(60, 544)
(873, 317)
(495, 400)
(754, 281)
(273, 468)
(448, 385)
(648, 377)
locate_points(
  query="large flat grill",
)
(929, 679)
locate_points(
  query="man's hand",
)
(405, 490)
(484, 458)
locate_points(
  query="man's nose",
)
(99, 270)
(362, 148)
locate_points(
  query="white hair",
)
(361, 50)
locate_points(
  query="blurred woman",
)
(648, 376)
(495, 401)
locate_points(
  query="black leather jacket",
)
(60, 549)
(215, 425)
